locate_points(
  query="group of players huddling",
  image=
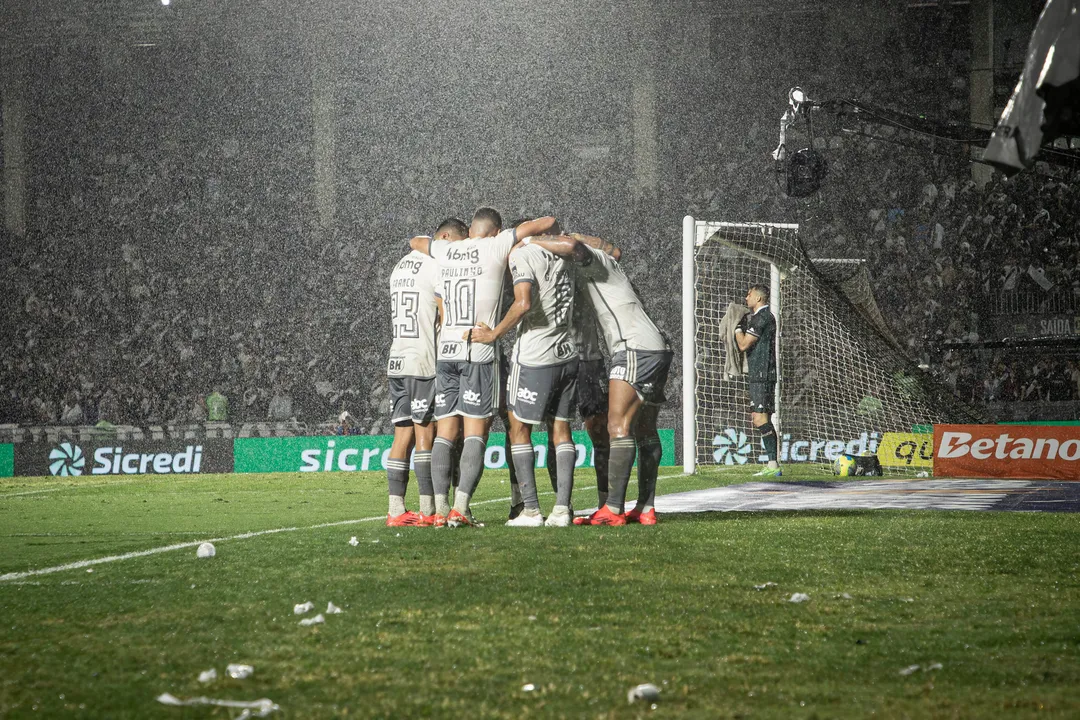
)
(446, 372)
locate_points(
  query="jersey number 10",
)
(459, 302)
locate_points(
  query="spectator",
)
(217, 406)
(281, 405)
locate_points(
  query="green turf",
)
(457, 622)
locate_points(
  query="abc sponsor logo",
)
(67, 459)
(526, 395)
(419, 404)
(470, 397)
(440, 400)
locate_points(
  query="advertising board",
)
(7, 460)
(1007, 451)
(138, 457)
(906, 450)
(357, 453)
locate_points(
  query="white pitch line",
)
(242, 536)
(4, 496)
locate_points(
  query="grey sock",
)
(649, 452)
(552, 465)
(442, 453)
(472, 465)
(397, 476)
(525, 463)
(422, 468)
(600, 459)
(565, 458)
(507, 446)
(621, 461)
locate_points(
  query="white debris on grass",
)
(313, 620)
(332, 609)
(528, 687)
(252, 708)
(910, 669)
(353, 541)
(301, 608)
(762, 586)
(206, 550)
(208, 675)
(646, 692)
(845, 596)
(239, 672)
(799, 598)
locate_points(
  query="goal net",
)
(843, 378)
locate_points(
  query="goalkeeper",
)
(756, 336)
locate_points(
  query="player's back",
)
(585, 327)
(544, 336)
(619, 311)
(470, 285)
(414, 316)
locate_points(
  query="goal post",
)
(843, 379)
(697, 233)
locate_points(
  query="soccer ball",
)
(844, 465)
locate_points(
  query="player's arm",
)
(522, 302)
(529, 228)
(564, 246)
(421, 243)
(601, 245)
(745, 334)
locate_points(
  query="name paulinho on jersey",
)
(470, 285)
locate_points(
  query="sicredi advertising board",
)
(70, 458)
(358, 453)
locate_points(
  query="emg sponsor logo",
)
(733, 447)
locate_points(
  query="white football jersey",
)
(470, 285)
(618, 309)
(414, 315)
(545, 336)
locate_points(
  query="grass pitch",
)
(460, 622)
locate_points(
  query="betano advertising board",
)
(357, 453)
(1007, 451)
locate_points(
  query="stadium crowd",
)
(290, 323)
